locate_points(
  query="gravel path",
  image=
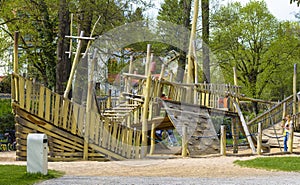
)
(208, 170)
(283, 179)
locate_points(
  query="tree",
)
(43, 46)
(63, 66)
(205, 38)
(177, 12)
(298, 2)
(249, 38)
(36, 24)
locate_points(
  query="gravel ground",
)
(207, 170)
(283, 179)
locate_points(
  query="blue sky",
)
(282, 9)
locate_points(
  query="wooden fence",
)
(40, 101)
(272, 116)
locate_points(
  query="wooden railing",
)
(209, 95)
(272, 116)
(69, 116)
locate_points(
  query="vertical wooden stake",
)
(291, 136)
(235, 139)
(108, 103)
(235, 135)
(152, 148)
(295, 90)
(146, 105)
(259, 139)
(184, 140)
(16, 65)
(89, 107)
(223, 140)
(16, 52)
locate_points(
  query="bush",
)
(7, 122)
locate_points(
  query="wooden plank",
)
(245, 127)
(13, 88)
(114, 137)
(56, 109)
(74, 121)
(97, 127)
(21, 92)
(124, 138)
(80, 121)
(92, 125)
(109, 136)
(118, 139)
(48, 105)
(60, 136)
(65, 113)
(129, 143)
(137, 145)
(70, 114)
(41, 124)
(109, 153)
(105, 134)
(41, 103)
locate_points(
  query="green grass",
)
(17, 175)
(289, 164)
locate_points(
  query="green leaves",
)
(251, 39)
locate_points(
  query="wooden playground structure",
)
(125, 127)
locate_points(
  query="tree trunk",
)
(63, 62)
(205, 38)
(182, 59)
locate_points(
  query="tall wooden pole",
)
(259, 139)
(190, 71)
(235, 121)
(223, 140)
(74, 65)
(89, 107)
(16, 64)
(190, 78)
(16, 45)
(295, 90)
(146, 104)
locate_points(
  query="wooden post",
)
(235, 132)
(295, 90)
(16, 65)
(108, 102)
(74, 65)
(259, 139)
(223, 140)
(130, 71)
(235, 135)
(190, 73)
(184, 140)
(16, 52)
(152, 148)
(291, 136)
(88, 108)
(146, 105)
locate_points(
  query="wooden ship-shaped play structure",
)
(126, 126)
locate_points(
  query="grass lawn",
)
(17, 175)
(289, 164)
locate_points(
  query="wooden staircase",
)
(271, 124)
(39, 110)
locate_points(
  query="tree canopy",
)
(261, 48)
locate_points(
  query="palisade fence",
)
(38, 100)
